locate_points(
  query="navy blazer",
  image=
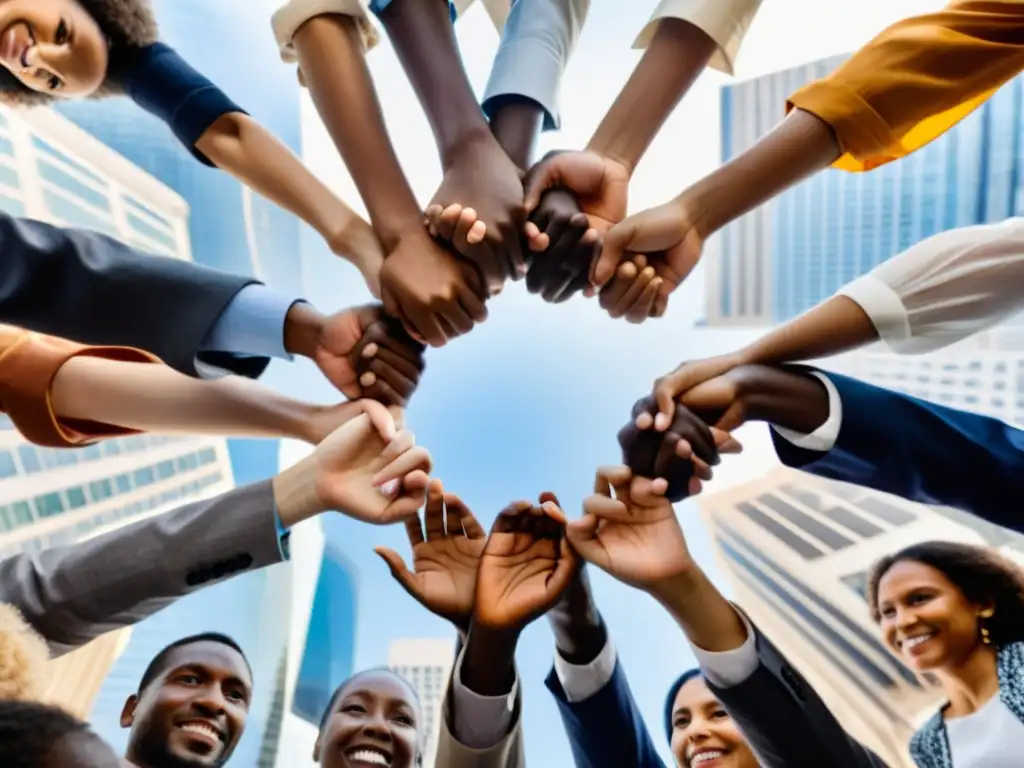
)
(606, 730)
(921, 451)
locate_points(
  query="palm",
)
(445, 575)
(606, 206)
(513, 582)
(645, 550)
(340, 336)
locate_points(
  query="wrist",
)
(302, 327)
(488, 662)
(678, 589)
(295, 496)
(466, 140)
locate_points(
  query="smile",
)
(369, 756)
(204, 730)
(909, 643)
(705, 756)
(15, 44)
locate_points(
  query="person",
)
(373, 718)
(908, 85)
(368, 469)
(34, 735)
(199, 321)
(437, 295)
(490, 588)
(957, 611)
(699, 728)
(191, 706)
(65, 49)
(681, 39)
(23, 658)
(630, 531)
(61, 394)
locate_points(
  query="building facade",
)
(798, 550)
(787, 255)
(427, 664)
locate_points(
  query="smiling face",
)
(52, 46)
(194, 711)
(374, 722)
(925, 618)
(703, 734)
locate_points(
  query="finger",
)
(616, 288)
(395, 369)
(695, 486)
(453, 516)
(427, 326)
(433, 515)
(553, 511)
(382, 391)
(470, 525)
(448, 221)
(612, 254)
(432, 214)
(538, 181)
(643, 307)
(549, 496)
(569, 267)
(414, 530)
(733, 418)
(399, 570)
(543, 266)
(632, 293)
(417, 458)
(618, 478)
(582, 535)
(581, 260)
(380, 419)
(647, 492)
(601, 485)
(566, 568)
(691, 427)
(473, 306)
(457, 319)
(725, 441)
(605, 508)
(644, 421)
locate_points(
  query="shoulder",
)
(929, 741)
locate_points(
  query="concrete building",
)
(427, 664)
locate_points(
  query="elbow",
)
(223, 140)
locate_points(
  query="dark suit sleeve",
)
(785, 722)
(92, 289)
(73, 594)
(606, 730)
(921, 451)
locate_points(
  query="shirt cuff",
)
(726, 669)
(252, 325)
(283, 536)
(530, 69)
(294, 13)
(824, 437)
(581, 681)
(480, 722)
(885, 309)
(725, 22)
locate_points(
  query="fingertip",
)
(662, 421)
(644, 421)
(659, 486)
(476, 233)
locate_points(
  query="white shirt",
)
(992, 737)
(946, 287)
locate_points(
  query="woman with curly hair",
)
(957, 611)
(64, 49)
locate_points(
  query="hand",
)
(526, 565)
(564, 247)
(681, 458)
(369, 470)
(445, 563)
(633, 291)
(667, 236)
(357, 242)
(482, 177)
(434, 293)
(634, 536)
(687, 375)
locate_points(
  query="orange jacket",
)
(916, 80)
(28, 363)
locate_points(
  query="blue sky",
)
(532, 400)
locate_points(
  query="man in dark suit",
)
(92, 289)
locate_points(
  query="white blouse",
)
(992, 737)
(946, 287)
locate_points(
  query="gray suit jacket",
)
(75, 593)
(92, 289)
(786, 722)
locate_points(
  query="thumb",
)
(380, 418)
(399, 571)
(613, 250)
(542, 177)
(582, 535)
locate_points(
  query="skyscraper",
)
(789, 254)
(798, 549)
(427, 664)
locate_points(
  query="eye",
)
(61, 36)
(720, 714)
(354, 708)
(188, 678)
(53, 82)
(681, 722)
(237, 695)
(405, 720)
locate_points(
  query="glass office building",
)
(798, 249)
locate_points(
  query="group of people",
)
(77, 366)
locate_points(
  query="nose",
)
(376, 727)
(210, 701)
(48, 56)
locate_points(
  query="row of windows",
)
(28, 459)
(74, 533)
(25, 512)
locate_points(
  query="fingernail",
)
(370, 349)
(389, 488)
(368, 379)
(661, 422)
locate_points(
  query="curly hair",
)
(983, 576)
(127, 25)
(24, 658)
(29, 731)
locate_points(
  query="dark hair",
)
(673, 691)
(127, 25)
(29, 730)
(345, 683)
(981, 574)
(156, 665)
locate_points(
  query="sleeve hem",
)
(884, 307)
(530, 69)
(287, 20)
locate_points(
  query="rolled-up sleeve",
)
(538, 39)
(724, 21)
(946, 287)
(916, 80)
(293, 14)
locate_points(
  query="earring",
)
(988, 613)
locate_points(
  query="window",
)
(111, 448)
(65, 181)
(6, 523)
(143, 476)
(887, 512)
(124, 483)
(77, 215)
(7, 466)
(91, 452)
(100, 490)
(76, 497)
(21, 513)
(165, 469)
(810, 525)
(48, 505)
(781, 532)
(185, 463)
(207, 456)
(29, 458)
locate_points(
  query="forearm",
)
(516, 124)
(239, 145)
(579, 630)
(836, 325)
(709, 621)
(674, 60)
(333, 65)
(154, 398)
(796, 148)
(488, 663)
(785, 398)
(422, 34)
